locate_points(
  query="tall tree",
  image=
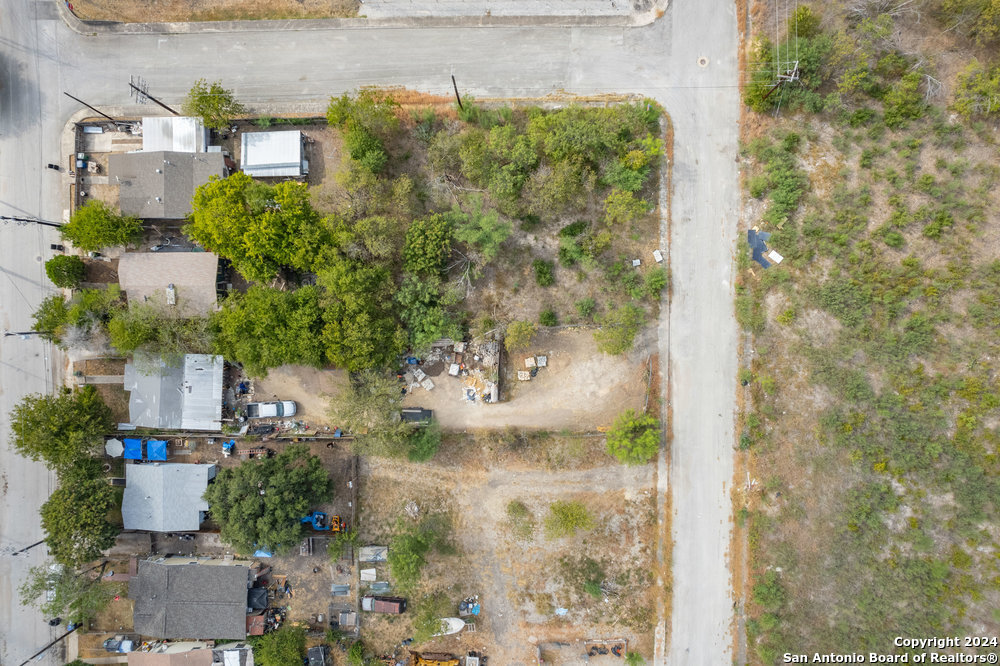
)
(75, 520)
(260, 503)
(265, 328)
(60, 429)
(94, 226)
(60, 591)
(370, 408)
(284, 647)
(428, 244)
(258, 227)
(66, 270)
(214, 104)
(361, 328)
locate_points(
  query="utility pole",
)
(23, 334)
(140, 90)
(27, 220)
(37, 543)
(459, 99)
(100, 113)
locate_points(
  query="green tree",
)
(519, 335)
(369, 408)
(260, 228)
(215, 105)
(265, 328)
(361, 329)
(51, 317)
(424, 442)
(367, 120)
(60, 429)
(619, 328)
(410, 546)
(621, 207)
(428, 244)
(424, 308)
(430, 609)
(483, 229)
(94, 226)
(977, 91)
(75, 520)
(634, 438)
(566, 517)
(260, 503)
(66, 271)
(59, 591)
(82, 317)
(979, 18)
(148, 327)
(284, 647)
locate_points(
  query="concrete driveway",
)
(297, 70)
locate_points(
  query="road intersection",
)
(686, 60)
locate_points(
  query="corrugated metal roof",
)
(145, 275)
(183, 134)
(160, 184)
(269, 154)
(180, 394)
(165, 497)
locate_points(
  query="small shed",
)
(182, 134)
(156, 450)
(273, 154)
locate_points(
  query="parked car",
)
(319, 655)
(390, 605)
(275, 409)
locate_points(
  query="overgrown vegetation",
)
(95, 226)
(412, 544)
(880, 312)
(566, 518)
(634, 438)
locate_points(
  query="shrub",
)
(284, 647)
(634, 659)
(619, 328)
(904, 102)
(519, 335)
(424, 442)
(66, 271)
(656, 281)
(977, 91)
(586, 307)
(634, 438)
(215, 105)
(543, 272)
(621, 207)
(520, 520)
(548, 317)
(566, 518)
(95, 226)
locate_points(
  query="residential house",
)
(175, 394)
(159, 185)
(183, 283)
(165, 497)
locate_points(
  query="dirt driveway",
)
(581, 389)
(309, 387)
(521, 582)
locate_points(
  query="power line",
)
(139, 89)
(27, 220)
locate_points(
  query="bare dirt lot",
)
(130, 11)
(580, 389)
(523, 577)
(310, 388)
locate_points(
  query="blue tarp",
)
(263, 553)
(758, 246)
(133, 448)
(156, 449)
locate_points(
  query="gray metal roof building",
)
(270, 154)
(183, 134)
(161, 184)
(165, 497)
(190, 600)
(147, 277)
(174, 394)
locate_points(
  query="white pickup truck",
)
(266, 410)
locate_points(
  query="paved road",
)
(298, 70)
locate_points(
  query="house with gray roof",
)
(160, 184)
(165, 497)
(182, 393)
(190, 600)
(180, 284)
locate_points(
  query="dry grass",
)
(132, 11)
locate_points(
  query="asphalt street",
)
(686, 60)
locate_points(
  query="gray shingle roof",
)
(145, 277)
(190, 600)
(160, 184)
(165, 497)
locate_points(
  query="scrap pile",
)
(532, 364)
(476, 364)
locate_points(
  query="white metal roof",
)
(167, 393)
(181, 134)
(268, 154)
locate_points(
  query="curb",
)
(95, 28)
